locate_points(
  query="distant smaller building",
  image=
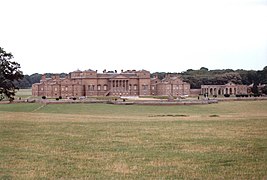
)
(229, 88)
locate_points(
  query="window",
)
(105, 87)
(55, 89)
(144, 87)
(135, 87)
(153, 87)
(98, 87)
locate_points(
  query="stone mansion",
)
(125, 83)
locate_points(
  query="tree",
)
(9, 73)
(255, 89)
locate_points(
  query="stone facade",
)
(173, 86)
(229, 88)
(126, 83)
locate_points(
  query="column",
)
(117, 85)
(127, 85)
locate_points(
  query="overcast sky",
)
(156, 35)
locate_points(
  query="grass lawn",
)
(100, 141)
(24, 93)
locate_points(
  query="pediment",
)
(119, 76)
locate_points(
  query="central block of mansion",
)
(126, 83)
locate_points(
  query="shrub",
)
(226, 95)
(60, 97)
(43, 97)
(214, 96)
(57, 99)
(74, 98)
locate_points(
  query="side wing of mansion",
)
(125, 83)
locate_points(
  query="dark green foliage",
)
(196, 78)
(60, 97)
(213, 77)
(255, 89)
(9, 73)
(226, 95)
(43, 97)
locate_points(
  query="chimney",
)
(43, 77)
(104, 71)
(122, 71)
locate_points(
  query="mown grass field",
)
(24, 93)
(100, 141)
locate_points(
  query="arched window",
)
(98, 87)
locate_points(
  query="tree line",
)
(196, 78)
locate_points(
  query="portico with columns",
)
(119, 86)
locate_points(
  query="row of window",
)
(105, 88)
(174, 87)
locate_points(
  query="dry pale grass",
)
(221, 141)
